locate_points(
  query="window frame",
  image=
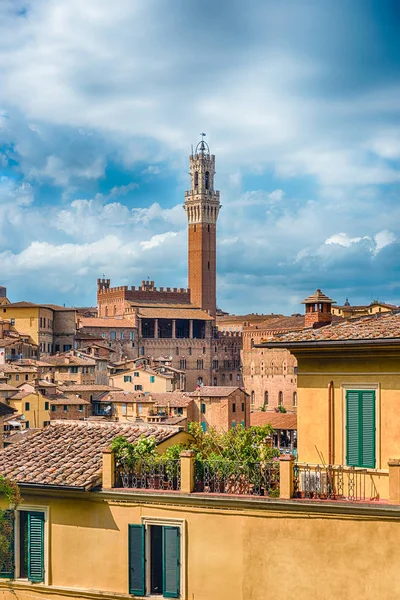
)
(375, 387)
(165, 522)
(46, 546)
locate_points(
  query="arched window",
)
(196, 179)
(253, 397)
(207, 180)
(106, 311)
(199, 381)
(294, 398)
(280, 399)
(265, 398)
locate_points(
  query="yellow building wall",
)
(232, 552)
(37, 414)
(26, 320)
(16, 378)
(365, 371)
(160, 384)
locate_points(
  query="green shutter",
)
(353, 428)
(360, 428)
(367, 398)
(171, 562)
(137, 560)
(7, 554)
(36, 546)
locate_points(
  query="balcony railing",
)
(154, 474)
(234, 477)
(334, 483)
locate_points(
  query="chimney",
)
(318, 310)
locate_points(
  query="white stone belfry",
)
(202, 201)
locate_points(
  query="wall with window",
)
(197, 550)
(362, 391)
(33, 406)
(149, 380)
(222, 413)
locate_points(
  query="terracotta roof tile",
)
(381, 326)
(174, 313)
(69, 453)
(211, 391)
(106, 322)
(276, 419)
(127, 397)
(78, 387)
(171, 398)
(318, 296)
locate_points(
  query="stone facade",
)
(221, 408)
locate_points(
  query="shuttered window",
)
(137, 575)
(36, 546)
(163, 566)
(7, 554)
(171, 562)
(360, 428)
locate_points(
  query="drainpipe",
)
(331, 437)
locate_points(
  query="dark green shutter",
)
(367, 399)
(137, 560)
(353, 428)
(36, 546)
(171, 562)
(7, 534)
(360, 428)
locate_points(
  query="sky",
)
(99, 105)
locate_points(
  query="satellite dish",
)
(107, 409)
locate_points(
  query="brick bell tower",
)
(202, 208)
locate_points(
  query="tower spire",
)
(202, 208)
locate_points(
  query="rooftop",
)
(24, 304)
(171, 398)
(318, 296)
(67, 359)
(127, 398)
(378, 327)
(174, 312)
(95, 387)
(69, 453)
(106, 322)
(211, 391)
(276, 419)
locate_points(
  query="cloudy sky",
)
(100, 102)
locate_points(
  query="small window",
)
(233, 407)
(16, 377)
(190, 351)
(265, 398)
(142, 351)
(31, 545)
(243, 408)
(177, 351)
(113, 336)
(65, 408)
(131, 335)
(215, 381)
(253, 397)
(136, 374)
(26, 424)
(294, 398)
(26, 377)
(152, 378)
(73, 369)
(280, 399)
(204, 426)
(204, 349)
(233, 424)
(80, 408)
(46, 406)
(207, 180)
(27, 406)
(203, 408)
(124, 410)
(138, 388)
(200, 364)
(121, 335)
(182, 364)
(53, 408)
(127, 378)
(12, 322)
(196, 179)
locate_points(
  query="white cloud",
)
(342, 239)
(383, 239)
(276, 195)
(157, 240)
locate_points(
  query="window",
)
(142, 351)
(80, 408)
(152, 378)
(190, 351)
(103, 335)
(233, 424)
(215, 364)
(131, 335)
(67, 347)
(27, 406)
(182, 363)
(223, 377)
(46, 406)
(243, 407)
(200, 364)
(253, 397)
(113, 336)
(57, 348)
(124, 410)
(215, 381)
(26, 424)
(203, 408)
(65, 408)
(177, 351)
(265, 398)
(207, 180)
(17, 378)
(204, 426)
(280, 399)
(73, 369)
(121, 335)
(204, 349)
(127, 378)
(234, 407)
(136, 374)
(360, 428)
(138, 388)
(155, 559)
(30, 545)
(179, 410)
(26, 377)
(230, 377)
(140, 408)
(294, 398)
(12, 322)
(45, 423)
(53, 408)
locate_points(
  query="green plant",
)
(281, 409)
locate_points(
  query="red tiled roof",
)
(276, 419)
(171, 398)
(67, 400)
(174, 313)
(127, 397)
(318, 296)
(69, 453)
(106, 322)
(65, 360)
(382, 326)
(215, 391)
(73, 388)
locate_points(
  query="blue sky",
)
(100, 102)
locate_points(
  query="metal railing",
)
(337, 482)
(150, 474)
(234, 477)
